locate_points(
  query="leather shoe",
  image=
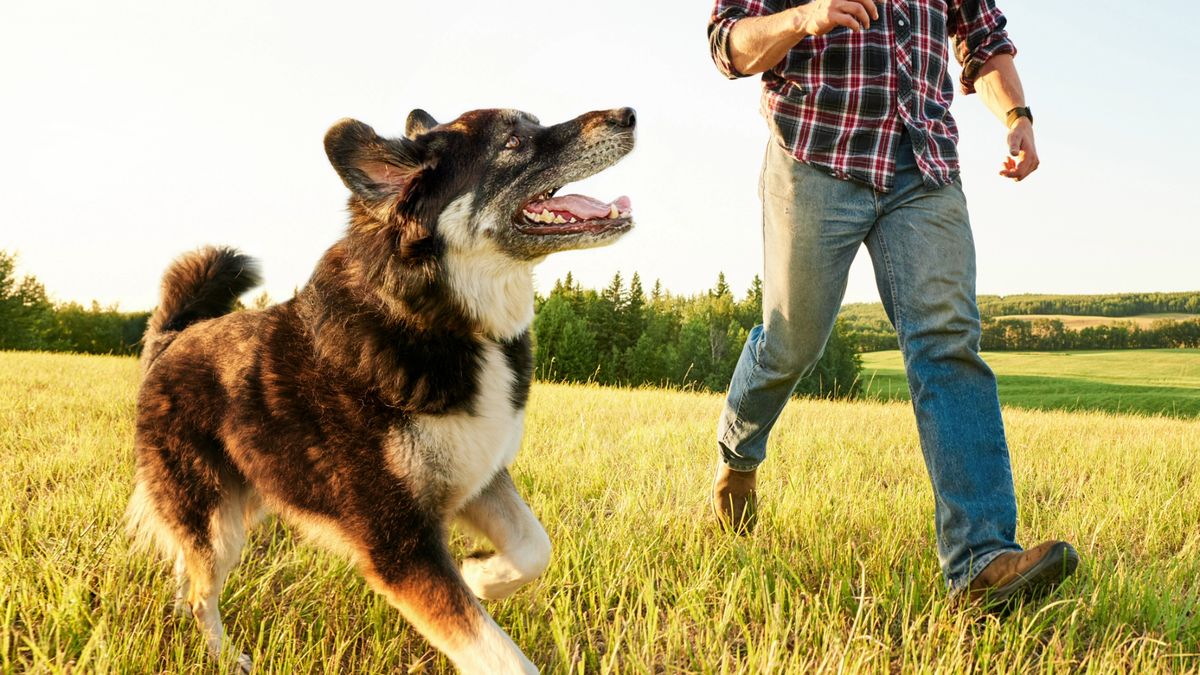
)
(1020, 573)
(734, 500)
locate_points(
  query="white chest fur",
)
(447, 459)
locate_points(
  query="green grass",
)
(1146, 381)
(841, 575)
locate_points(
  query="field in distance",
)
(1073, 322)
(1144, 381)
(841, 575)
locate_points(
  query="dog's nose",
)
(624, 117)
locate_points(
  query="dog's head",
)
(486, 181)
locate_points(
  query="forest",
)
(625, 335)
(616, 336)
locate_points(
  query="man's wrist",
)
(799, 22)
(1017, 115)
(1023, 122)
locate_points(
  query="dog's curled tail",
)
(199, 285)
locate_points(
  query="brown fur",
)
(298, 407)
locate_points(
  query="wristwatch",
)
(1016, 114)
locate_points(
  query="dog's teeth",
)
(572, 220)
(547, 217)
(612, 211)
(530, 215)
(559, 219)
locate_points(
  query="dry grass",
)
(840, 577)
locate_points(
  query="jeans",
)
(924, 258)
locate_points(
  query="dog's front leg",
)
(522, 547)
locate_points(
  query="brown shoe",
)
(734, 500)
(1031, 572)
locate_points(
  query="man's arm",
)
(999, 86)
(982, 46)
(755, 44)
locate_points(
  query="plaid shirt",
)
(841, 101)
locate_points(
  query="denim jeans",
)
(924, 258)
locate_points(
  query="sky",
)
(133, 131)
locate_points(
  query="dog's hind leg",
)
(522, 547)
(195, 508)
(208, 567)
(182, 608)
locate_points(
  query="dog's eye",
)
(513, 143)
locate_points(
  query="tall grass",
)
(841, 575)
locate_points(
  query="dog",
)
(386, 399)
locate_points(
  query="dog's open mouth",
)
(547, 214)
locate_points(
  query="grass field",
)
(1077, 322)
(1149, 381)
(840, 577)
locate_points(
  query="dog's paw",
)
(182, 609)
(491, 578)
(244, 664)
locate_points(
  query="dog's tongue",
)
(584, 207)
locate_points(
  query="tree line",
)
(1049, 335)
(619, 335)
(1111, 305)
(30, 321)
(868, 327)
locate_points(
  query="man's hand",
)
(821, 16)
(759, 43)
(1022, 157)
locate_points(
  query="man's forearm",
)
(999, 85)
(758, 43)
(1000, 88)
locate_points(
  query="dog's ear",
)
(373, 167)
(418, 123)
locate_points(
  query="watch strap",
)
(1016, 114)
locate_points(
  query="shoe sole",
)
(1045, 575)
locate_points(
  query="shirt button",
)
(900, 22)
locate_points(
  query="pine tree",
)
(615, 292)
(722, 288)
(26, 314)
(748, 313)
(635, 311)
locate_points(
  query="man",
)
(857, 95)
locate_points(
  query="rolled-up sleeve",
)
(725, 14)
(978, 31)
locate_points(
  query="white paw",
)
(492, 578)
(244, 664)
(182, 609)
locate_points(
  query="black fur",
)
(301, 404)
(203, 285)
(519, 354)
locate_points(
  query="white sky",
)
(135, 130)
